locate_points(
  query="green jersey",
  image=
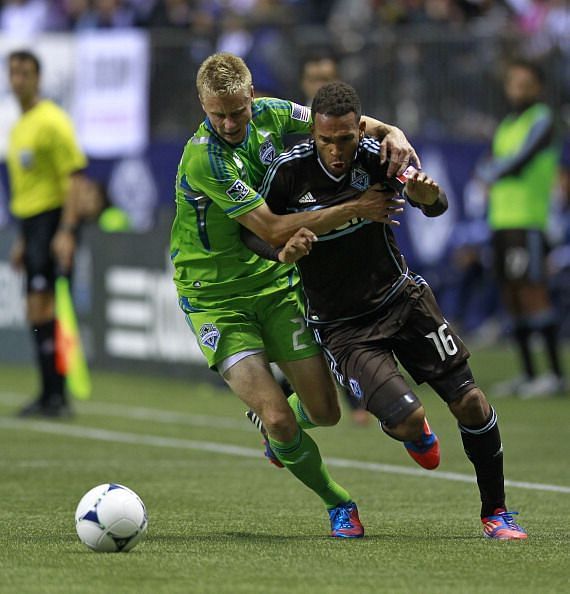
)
(216, 182)
(521, 200)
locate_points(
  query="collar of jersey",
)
(242, 144)
(340, 177)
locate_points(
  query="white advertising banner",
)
(110, 107)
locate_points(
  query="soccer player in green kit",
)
(521, 176)
(244, 310)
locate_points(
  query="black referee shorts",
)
(520, 255)
(39, 263)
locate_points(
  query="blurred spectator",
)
(317, 70)
(107, 14)
(72, 12)
(92, 204)
(521, 176)
(260, 38)
(170, 13)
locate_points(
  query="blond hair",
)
(223, 74)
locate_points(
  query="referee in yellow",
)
(45, 167)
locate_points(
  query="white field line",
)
(108, 409)
(63, 429)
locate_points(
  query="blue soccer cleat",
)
(345, 522)
(502, 526)
(269, 453)
(425, 451)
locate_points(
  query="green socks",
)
(302, 457)
(297, 407)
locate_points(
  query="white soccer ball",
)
(111, 518)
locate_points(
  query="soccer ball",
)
(110, 518)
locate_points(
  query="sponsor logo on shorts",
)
(359, 179)
(267, 152)
(238, 191)
(209, 336)
(355, 387)
(300, 113)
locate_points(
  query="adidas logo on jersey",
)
(308, 198)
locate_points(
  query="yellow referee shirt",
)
(42, 153)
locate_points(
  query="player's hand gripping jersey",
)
(217, 182)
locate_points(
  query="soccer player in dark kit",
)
(366, 307)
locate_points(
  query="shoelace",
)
(341, 518)
(509, 520)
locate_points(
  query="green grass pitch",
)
(222, 520)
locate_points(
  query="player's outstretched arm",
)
(422, 191)
(375, 204)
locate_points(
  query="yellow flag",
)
(70, 359)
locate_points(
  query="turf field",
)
(222, 520)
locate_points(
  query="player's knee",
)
(471, 408)
(411, 427)
(279, 423)
(398, 409)
(327, 415)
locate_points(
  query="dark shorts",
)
(364, 354)
(520, 255)
(40, 266)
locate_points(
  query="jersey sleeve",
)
(218, 177)
(60, 140)
(289, 117)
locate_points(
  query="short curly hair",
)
(337, 99)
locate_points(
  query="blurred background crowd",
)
(432, 66)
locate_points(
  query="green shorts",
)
(272, 322)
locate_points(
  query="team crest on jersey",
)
(355, 387)
(26, 159)
(209, 336)
(238, 191)
(267, 152)
(300, 112)
(359, 179)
